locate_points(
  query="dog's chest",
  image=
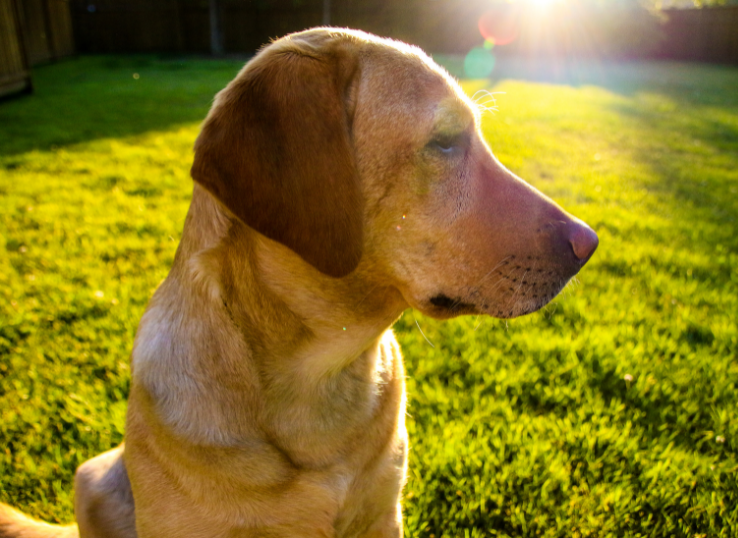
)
(338, 417)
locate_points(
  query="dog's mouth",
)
(515, 285)
(510, 297)
(455, 306)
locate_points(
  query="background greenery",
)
(613, 412)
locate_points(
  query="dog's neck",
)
(278, 301)
(274, 322)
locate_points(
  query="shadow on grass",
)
(94, 97)
(692, 110)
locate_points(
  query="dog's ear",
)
(276, 151)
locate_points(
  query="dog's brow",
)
(452, 117)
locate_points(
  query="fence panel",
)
(35, 30)
(60, 25)
(136, 26)
(47, 29)
(14, 73)
(703, 35)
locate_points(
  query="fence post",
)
(326, 12)
(216, 35)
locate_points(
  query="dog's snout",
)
(583, 240)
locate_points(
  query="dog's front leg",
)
(388, 526)
(103, 503)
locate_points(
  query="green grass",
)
(613, 412)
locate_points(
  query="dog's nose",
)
(583, 240)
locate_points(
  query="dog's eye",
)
(445, 147)
(448, 145)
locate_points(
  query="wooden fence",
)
(701, 35)
(31, 32)
(114, 26)
(183, 26)
(14, 72)
(47, 29)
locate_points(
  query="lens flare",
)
(479, 63)
(501, 24)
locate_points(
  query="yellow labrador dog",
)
(339, 179)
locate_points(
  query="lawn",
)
(612, 412)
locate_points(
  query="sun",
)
(542, 3)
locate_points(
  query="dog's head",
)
(364, 157)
